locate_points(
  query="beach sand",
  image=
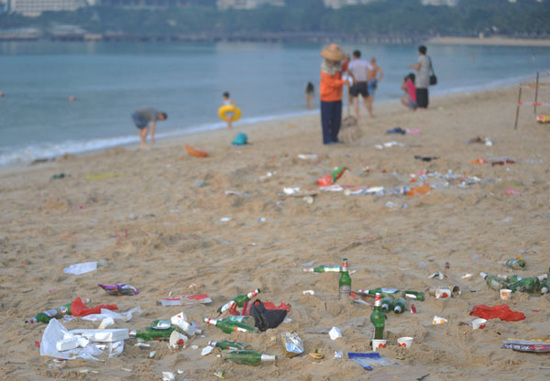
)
(184, 247)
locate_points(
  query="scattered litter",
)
(481, 140)
(102, 175)
(119, 289)
(187, 300)
(105, 314)
(192, 151)
(439, 320)
(137, 216)
(391, 204)
(239, 194)
(521, 345)
(368, 360)
(335, 333)
(467, 276)
(292, 343)
(225, 219)
(80, 268)
(388, 145)
(168, 376)
(512, 192)
(437, 275)
(308, 157)
(396, 130)
(502, 312)
(207, 350)
(426, 158)
(338, 355)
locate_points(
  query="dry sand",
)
(48, 224)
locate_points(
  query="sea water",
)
(186, 80)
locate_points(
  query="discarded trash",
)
(467, 276)
(378, 344)
(505, 294)
(419, 295)
(207, 350)
(46, 316)
(186, 300)
(267, 316)
(516, 263)
(437, 275)
(308, 292)
(331, 177)
(323, 269)
(389, 144)
(59, 176)
(239, 300)
(426, 158)
(230, 326)
(137, 216)
(316, 355)
(502, 312)
(446, 292)
(248, 357)
(229, 345)
(439, 320)
(512, 192)
(80, 268)
(180, 321)
(502, 162)
(481, 140)
(168, 376)
(391, 204)
(478, 324)
(106, 314)
(240, 140)
(292, 343)
(195, 152)
(396, 130)
(368, 360)
(335, 333)
(378, 320)
(405, 342)
(344, 283)
(177, 340)
(521, 345)
(543, 118)
(152, 334)
(420, 190)
(308, 157)
(119, 289)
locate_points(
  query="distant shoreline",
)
(488, 41)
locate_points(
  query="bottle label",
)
(345, 290)
(51, 313)
(389, 290)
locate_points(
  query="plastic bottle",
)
(151, 334)
(516, 264)
(387, 304)
(230, 345)
(378, 320)
(230, 326)
(46, 316)
(323, 269)
(344, 283)
(399, 306)
(239, 300)
(248, 357)
(494, 282)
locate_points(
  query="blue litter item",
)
(396, 130)
(240, 140)
(368, 360)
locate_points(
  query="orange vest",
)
(332, 85)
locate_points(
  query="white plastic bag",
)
(80, 268)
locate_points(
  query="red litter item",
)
(325, 181)
(78, 308)
(502, 312)
(272, 306)
(413, 309)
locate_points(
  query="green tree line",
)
(383, 18)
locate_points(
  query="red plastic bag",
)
(326, 180)
(502, 312)
(78, 308)
(272, 306)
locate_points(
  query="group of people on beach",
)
(338, 69)
(362, 77)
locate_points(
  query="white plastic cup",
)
(478, 323)
(405, 342)
(180, 320)
(505, 294)
(443, 293)
(439, 320)
(177, 340)
(378, 344)
(335, 333)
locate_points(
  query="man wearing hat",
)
(331, 90)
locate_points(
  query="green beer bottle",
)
(516, 264)
(230, 326)
(230, 345)
(494, 282)
(248, 320)
(248, 357)
(152, 334)
(509, 278)
(239, 300)
(399, 306)
(46, 316)
(378, 320)
(530, 284)
(387, 304)
(323, 269)
(418, 295)
(344, 283)
(544, 287)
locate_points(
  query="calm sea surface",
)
(111, 80)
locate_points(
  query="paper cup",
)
(442, 293)
(378, 344)
(439, 320)
(180, 320)
(335, 333)
(177, 340)
(478, 324)
(505, 294)
(405, 342)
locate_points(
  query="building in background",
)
(337, 4)
(449, 3)
(248, 4)
(33, 8)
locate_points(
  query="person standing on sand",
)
(359, 69)
(331, 91)
(142, 117)
(374, 75)
(423, 67)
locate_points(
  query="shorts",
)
(359, 88)
(412, 104)
(373, 83)
(139, 120)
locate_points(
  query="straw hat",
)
(333, 53)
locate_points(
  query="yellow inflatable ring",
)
(226, 109)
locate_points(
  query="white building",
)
(33, 8)
(449, 3)
(248, 4)
(336, 4)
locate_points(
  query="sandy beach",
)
(168, 223)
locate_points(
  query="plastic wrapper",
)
(187, 300)
(368, 360)
(293, 344)
(535, 346)
(105, 314)
(119, 289)
(80, 268)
